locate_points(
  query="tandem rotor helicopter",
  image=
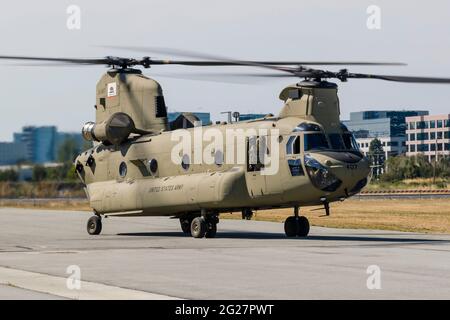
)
(129, 170)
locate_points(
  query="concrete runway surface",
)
(149, 258)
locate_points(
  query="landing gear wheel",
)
(211, 230)
(247, 214)
(296, 226)
(94, 225)
(290, 226)
(186, 225)
(198, 227)
(303, 226)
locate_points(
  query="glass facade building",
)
(40, 144)
(381, 123)
(429, 135)
(11, 153)
(388, 126)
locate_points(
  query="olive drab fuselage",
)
(139, 177)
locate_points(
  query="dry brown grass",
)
(421, 215)
(50, 205)
(410, 184)
(416, 215)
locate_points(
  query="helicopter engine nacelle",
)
(114, 130)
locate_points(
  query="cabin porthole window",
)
(153, 166)
(122, 169)
(185, 162)
(218, 158)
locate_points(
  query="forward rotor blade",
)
(225, 61)
(233, 78)
(60, 60)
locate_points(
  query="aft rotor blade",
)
(410, 79)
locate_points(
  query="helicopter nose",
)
(348, 170)
(353, 171)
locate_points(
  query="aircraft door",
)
(256, 182)
(294, 154)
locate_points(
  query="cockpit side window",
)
(294, 94)
(315, 141)
(293, 145)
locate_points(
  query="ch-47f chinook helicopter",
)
(130, 171)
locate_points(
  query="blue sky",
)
(411, 31)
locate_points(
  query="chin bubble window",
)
(321, 177)
(122, 169)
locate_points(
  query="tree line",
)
(401, 167)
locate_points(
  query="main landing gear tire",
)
(186, 225)
(204, 227)
(198, 227)
(211, 230)
(94, 225)
(296, 226)
(247, 214)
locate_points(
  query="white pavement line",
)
(57, 286)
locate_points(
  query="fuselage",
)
(140, 177)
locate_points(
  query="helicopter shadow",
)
(281, 236)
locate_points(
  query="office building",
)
(36, 145)
(428, 135)
(12, 153)
(39, 143)
(387, 126)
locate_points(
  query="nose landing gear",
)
(296, 225)
(94, 225)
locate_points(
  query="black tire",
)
(186, 225)
(94, 225)
(198, 227)
(290, 226)
(211, 230)
(247, 214)
(303, 226)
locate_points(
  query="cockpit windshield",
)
(349, 141)
(336, 141)
(315, 141)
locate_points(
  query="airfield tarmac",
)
(149, 258)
